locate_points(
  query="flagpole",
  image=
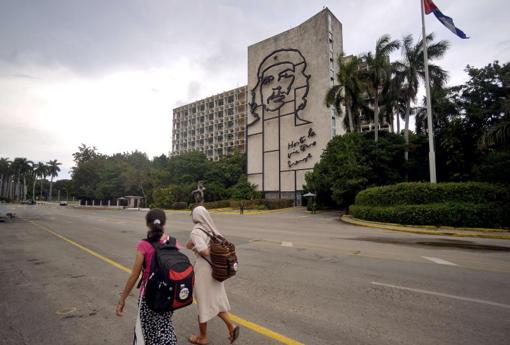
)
(432, 154)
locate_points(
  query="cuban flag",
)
(447, 21)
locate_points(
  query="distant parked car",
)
(28, 202)
(63, 203)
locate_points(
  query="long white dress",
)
(209, 293)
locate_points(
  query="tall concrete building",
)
(214, 125)
(288, 123)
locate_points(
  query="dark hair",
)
(155, 228)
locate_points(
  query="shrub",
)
(257, 204)
(217, 204)
(469, 204)
(163, 197)
(179, 205)
(215, 191)
(273, 204)
(244, 190)
(446, 214)
(262, 204)
(248, 204)
(427, 193)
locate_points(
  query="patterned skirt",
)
(153, 328)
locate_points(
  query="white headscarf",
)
(203, 220)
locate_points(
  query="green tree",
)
(353, 162)
(53, 170)
(163, 197)
(5, 175)
(41, 171)
(85, 153)
(467, 116)
(244, 190)
(348, 94)
(412, 69)
(22, 167)
(137, 173)
(377, 73)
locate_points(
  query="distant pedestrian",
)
(210, 294)
(152, 328)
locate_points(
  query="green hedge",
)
(217, 204)
(426, 193)
(257, 204)
(179, 205)
(446, 214)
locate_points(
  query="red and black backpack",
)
(171, 278)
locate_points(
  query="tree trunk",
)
(349, 114)
(1, 185)
(51, 189)
(406, 129)
(144, 196)
(392, 120)
(42, 179)
(17, 190)
(11, 187)
(359, 121)
(24, 187)
(376, 117)
(398, 123)
(33, 188)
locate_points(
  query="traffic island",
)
(499, 234)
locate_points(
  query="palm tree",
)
(412, 69)
(27, 170)
(53, 169)
(392, 100)
(20, 166)
(4, 175)
(39, 171)
(498, 134)
(43, 172)
(378, 73)
(348, 92)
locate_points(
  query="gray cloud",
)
(96, 38)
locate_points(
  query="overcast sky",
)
(108, 73)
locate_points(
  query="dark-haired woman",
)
(151, 328)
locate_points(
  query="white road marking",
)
(287, 244)
(467, 299)
(439, 261)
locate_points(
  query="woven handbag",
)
(223, 260)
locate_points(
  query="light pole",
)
(432, 154)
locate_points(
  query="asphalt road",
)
(304, 279)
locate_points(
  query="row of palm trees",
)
(15, 174)
(371, 87)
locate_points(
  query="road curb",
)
(422, 231)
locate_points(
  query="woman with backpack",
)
(152, 328)
(210, 294)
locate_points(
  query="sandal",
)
(195, 339)
(234, 334)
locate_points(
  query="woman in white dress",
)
(210, 294)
